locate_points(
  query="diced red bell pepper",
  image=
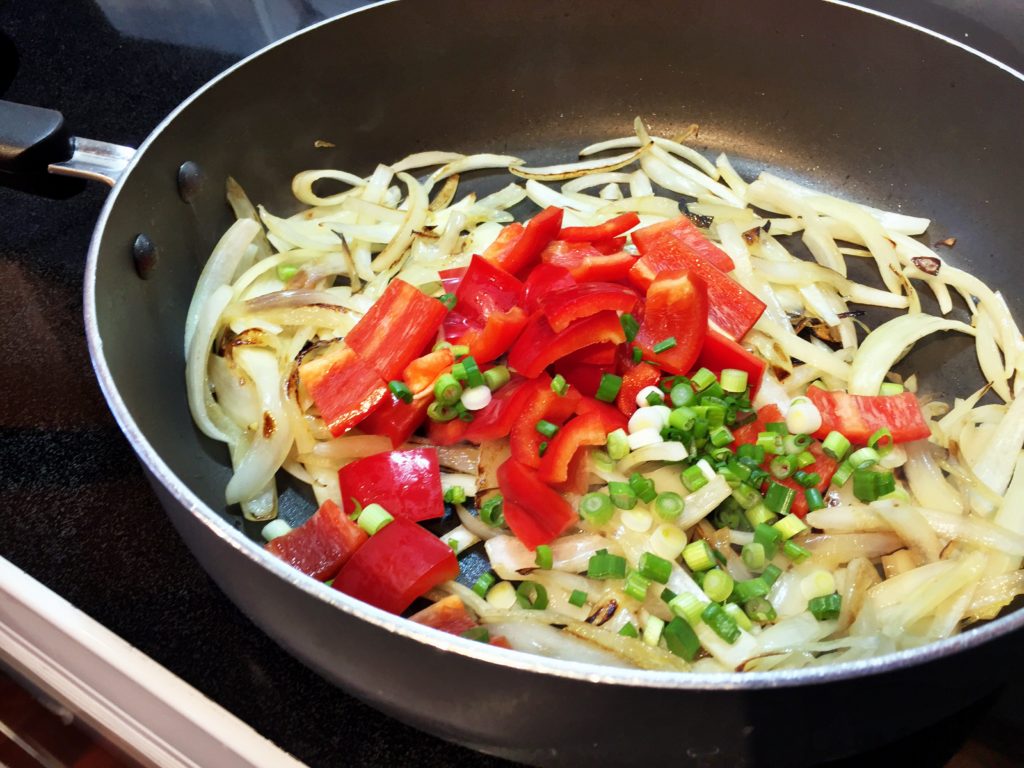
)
(423, 371)
(606, 231)
(676, 307)
(611, 417)
(486, 316)
(398, 327)
(860, 416)
(563, 307)
(398, 564)
(497, 252)
(542, 280)
(581, 431)
(495, 420)
(396, 419)
(597, 354)
(536, 513)
(448, 615)
(497, 335)
(542, 403)
(611, 246)
(731, 307)
(823, 465)
(344, 387)
(526, 250)
(539, 346)
(747, 434)
(450, 278)
(406, 483)
(720, 352)
(578, 481)
(685, 231)
(585, 262)
(446, 432)
(321, 545)
(582, 377)
(633, 380)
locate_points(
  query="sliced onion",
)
(419, 160)
(471, 163)
(564, 171)
(509, 556)
(703, 501)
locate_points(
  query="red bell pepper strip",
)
(486, 316)
(611, 417)
(731, 307)
(344, 387)
(423, 371)
(322, 544)
(446, 432)
(542, 403)
(536, 513)
(581, 431)
(542, 280)
(450, 278)
(585, 262)
(448, 615)
(611, 246)
(860, 416)
(524, 253)
(685, 231)
(497, 252)
(635, 379)
(720, 352)
(584, 378)
(396, 419)
(578, 481)
(406, 483)
(498, 334)
(562, 307)
(539, 346)
(676, 308)
(398, 327)
(606, 231)
(496, 420)
(597, 354)
(398, 564)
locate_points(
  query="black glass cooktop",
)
(77, 513)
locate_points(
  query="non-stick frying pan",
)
(842, 99)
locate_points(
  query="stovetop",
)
(78, 514)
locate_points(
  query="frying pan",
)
(821, 92)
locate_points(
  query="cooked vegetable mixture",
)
(676, 443)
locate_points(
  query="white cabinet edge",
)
(153, 715)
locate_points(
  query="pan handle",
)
(35, 146)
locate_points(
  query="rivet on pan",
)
(145, 256)
(190, 181)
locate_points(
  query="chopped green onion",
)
(546, 428)
(618, 444)
(373, 518)
(448, 299)
(667, 595)
(771, 573)
(578, 598)
(698, 556)
(777, 428)
(718, 585)
(682, 394)
(804, 459)
(759, 514)
(603, 565)
(779, 498)
(769, 537)
(864, 458)
(629, 326)
(751, 452)
(653, 628)
(602, 461)
(681, 639)
(781, 467)
(737, 615)
(609, 387)
(669, 505)
(869, 485)
(842, 474)
(439, 412)
(836, 445)
(655, 398)
(733, 380)
(628, 630)
(492, 511)
(400, 390)
(484, 583)
(814, 499)
(441, 345)
(753, 555)
(687, 606)
(636, 586)
(746, 496)
(825, 608)
(794, 444)
(480, 634)
(455, 495)
(542, 448)
(682, 418)
(728, 516)
(622, 495)
(654, 568)
(721, 622)
(532, 595)
(789, 526)
(497, 377)
(891, 388)
(795, 552)
(769, 442)
(693, 478)
(665, 345)
(703, 379)
(459, 351)
(807, 479)
(748, 589)
(881, 439)
(720, 436)
(638, 354)
(885, 483)
(643, 487)
(447, 390)
(759, 609)
(543, 557)
(286, 272)
(473, 376)
(559, 385)
(596, 508)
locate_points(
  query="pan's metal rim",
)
(219, 527)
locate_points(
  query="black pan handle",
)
(39, 155)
